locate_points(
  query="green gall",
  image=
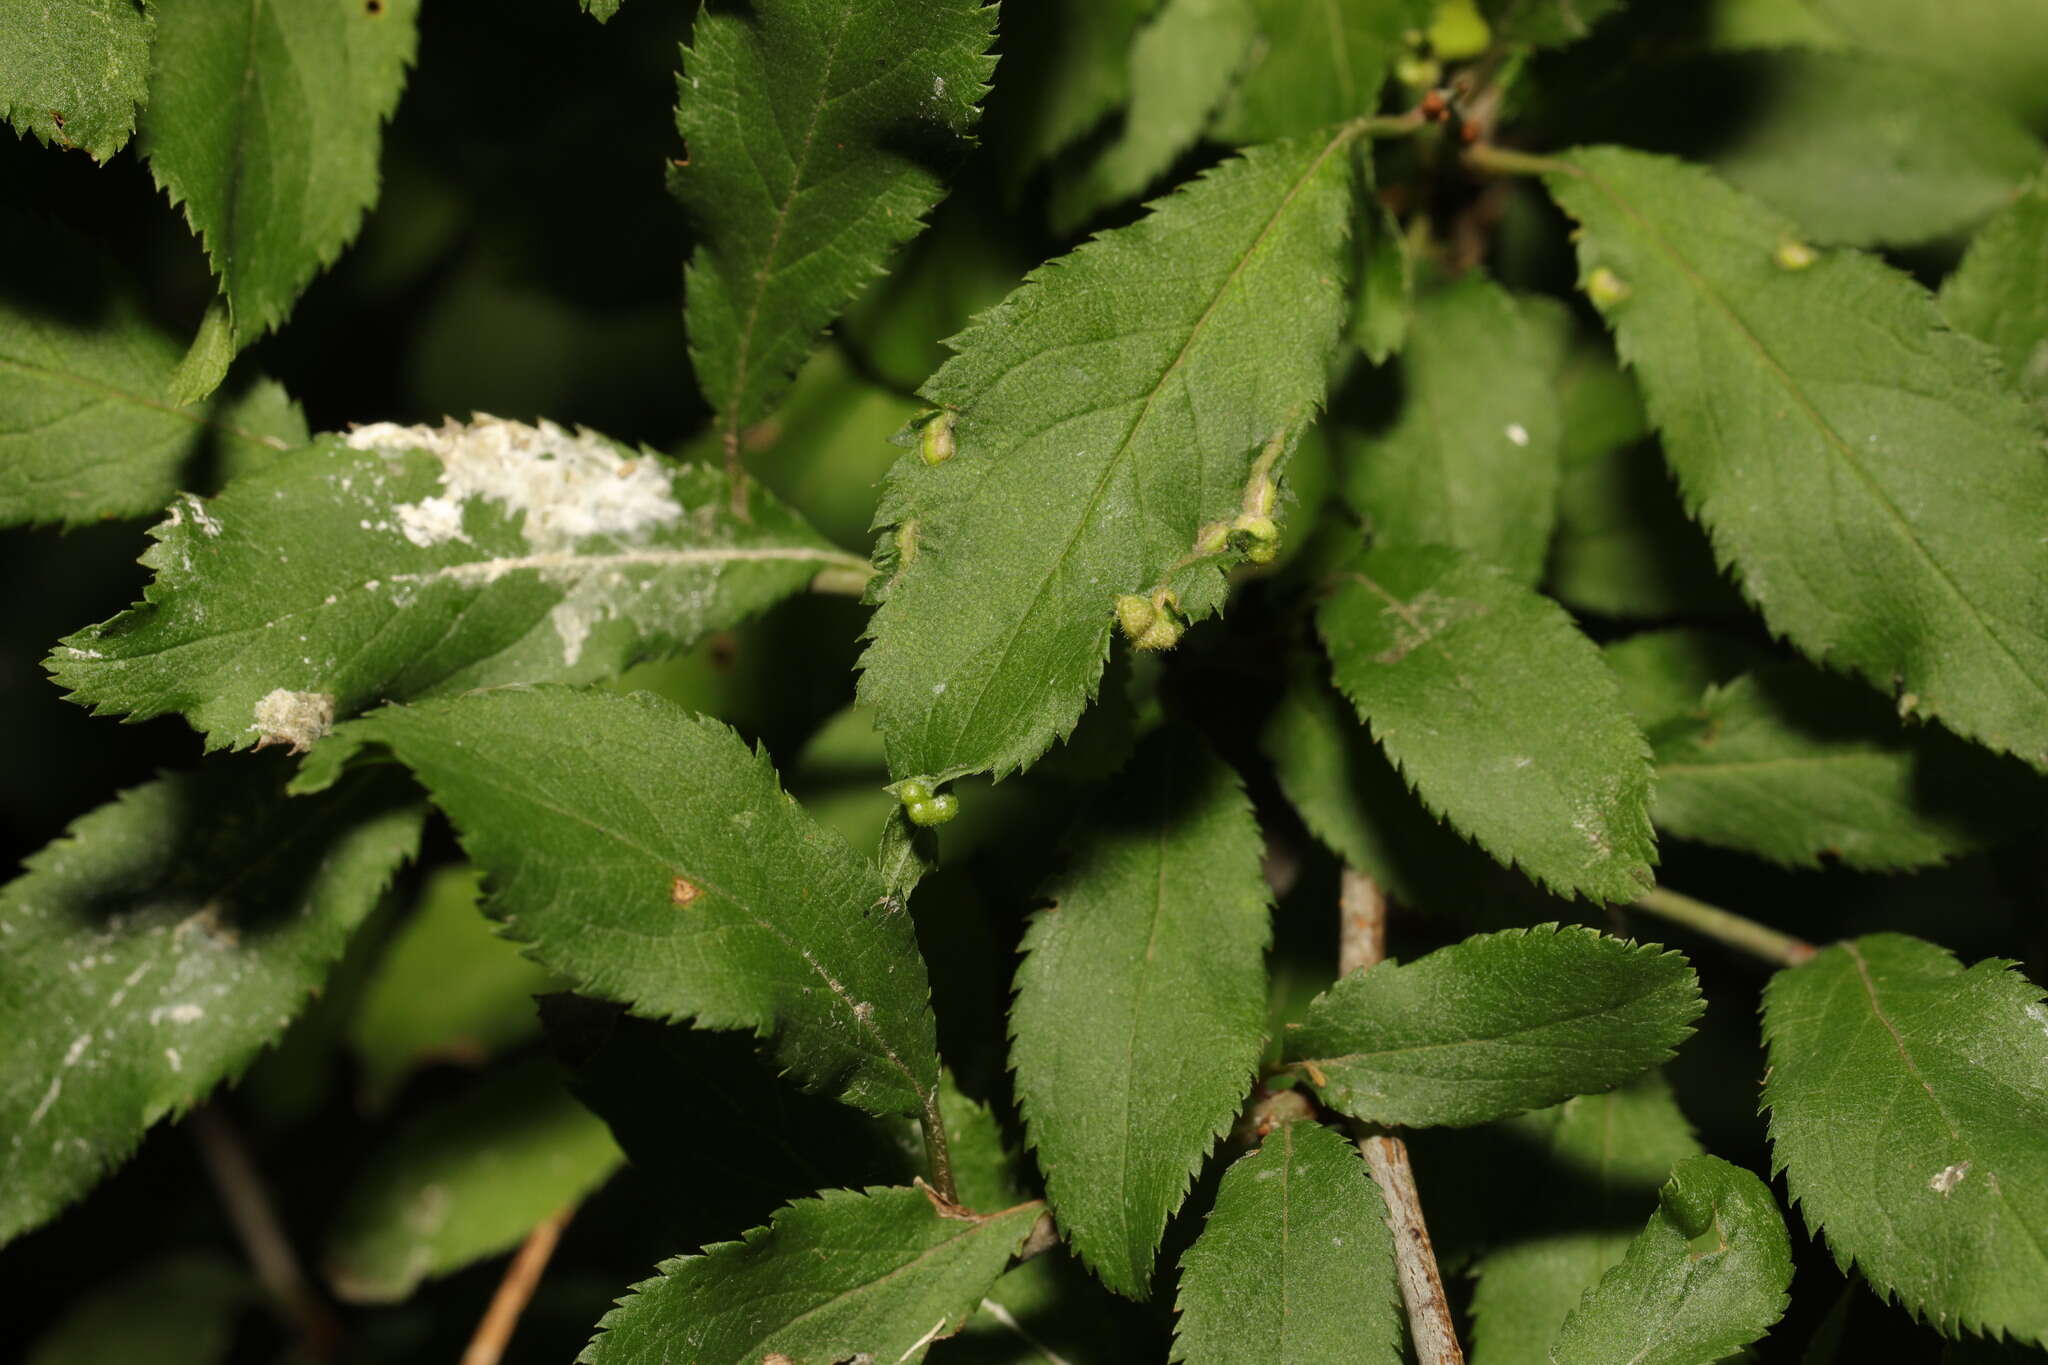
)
(910, 791)
(935, 435)
(1793, 254)
(936, 811)
(1257, 538)
(1135, 615)
(1605, 288)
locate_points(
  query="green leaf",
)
(445, 989)
(1996, 47)
(1602, 1159)
(265, 120)
(86, 431)
(811, 129)
(1119, 398)
(73, 74)
(1545, 23)
(652, 858)
(1182, 65)
(1496, 1025)
(1141, 1002)
(466, 1179)
(1999, 294)
(601, 10)
(1385, 285)
(879, 1272)
(1315, 62)
(1908, 1096)
(1795, 765)
(1499, 713)
(408, 562)
(179, 1310)
(1471, 460)
(1294, 1265)
(1788, 381)
(1705, 1278)
(1050, 1311)
(158, 946)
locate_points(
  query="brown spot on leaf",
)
(681, 891)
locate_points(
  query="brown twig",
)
(522, 1277)
(1362, 943)
(254, 1218)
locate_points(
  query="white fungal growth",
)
(567, 485)
(297, 719)
(1948, 1178)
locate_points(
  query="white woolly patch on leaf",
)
(568, 485)
(297, 719)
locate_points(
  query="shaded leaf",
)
(731, 907)
(1545, 23)
(446, 988)
(1120, 395)
(1496, 1025)
(1182, 64)
(1664, 673)
(1499, 713)
(465, 1180)
(1294, 1265)
(879, 1272)
(1705, 1278)
(1472, 458)
(179, 1310)
(1141, 1002)
(708, 1124)
(88, 431)
(812, 129)
(406, 562)
(1794, 765)
(1997, 47)
(265, 120)
(1602, 1159)
(1999, 294)
(158, 946)
(1315, 62)
(1789, 383)
(1908, 1095)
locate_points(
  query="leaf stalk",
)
(1780, 949)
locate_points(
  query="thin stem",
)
(936, 1152)
(1391, 125)
(254, 1218)
(522, 1277)
(1782, 949)
(1498, 160)
(1362, 944)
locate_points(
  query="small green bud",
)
(1605, 288)
(1793, 254)
(935, 435)
(936, 811)
(1418, 73)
